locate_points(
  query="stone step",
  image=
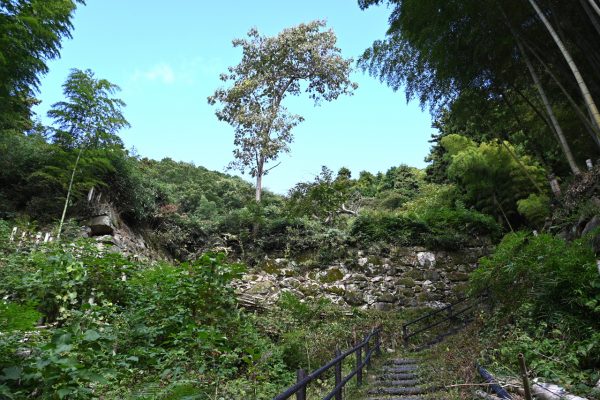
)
(399, 368)
(399, 376)
(396, 398)
(405, 382)
(399, 390)
(403, 361)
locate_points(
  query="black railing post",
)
(367, 356)
(359, 375)
(301, 393)
(338, 375)
(378, 341)
(405, 335)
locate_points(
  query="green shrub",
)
(548, 292)
(446, 228)
(552, 274)
(535, 208)
(17, 317)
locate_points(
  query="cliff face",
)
(408, 277)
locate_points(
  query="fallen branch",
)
(347, 210)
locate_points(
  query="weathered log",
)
(549, 391)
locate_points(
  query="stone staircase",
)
(399, 379)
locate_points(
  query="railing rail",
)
(299, 388)
(451, 315)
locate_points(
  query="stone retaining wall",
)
(408, 277)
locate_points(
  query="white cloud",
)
(161, 72)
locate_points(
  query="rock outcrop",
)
(111, 233)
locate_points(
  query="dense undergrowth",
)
(97, 325)
(544, 297)
(552, 312)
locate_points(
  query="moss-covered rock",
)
(386, 297)
(354, 298)
(270, 266)
(337, 290)
(458, 276)
(415, 274)
(407, 282)
(332, 275)
(263, 287)
(309, 290)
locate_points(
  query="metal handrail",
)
(303, 382)
(350, 376)
(451, 315)
(436, 312)
(454, 315)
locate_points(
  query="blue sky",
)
(167, 57)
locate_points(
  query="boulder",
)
(591, 225)
(432, 275)
(101, 225)
(426, 259)
(107, 239)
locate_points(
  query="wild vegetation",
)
(512, 86)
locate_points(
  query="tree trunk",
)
(591, 16)
(64, 213)
(589, 126)
(557, 128)
(258, 188)
(522, 166)
(580, 82)
(259, 175)
(502, 211)
(595, 6)
(538, 84)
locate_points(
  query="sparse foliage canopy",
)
(300, 59)
(90, 116)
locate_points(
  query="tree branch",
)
(345, 210)
(268, 169)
